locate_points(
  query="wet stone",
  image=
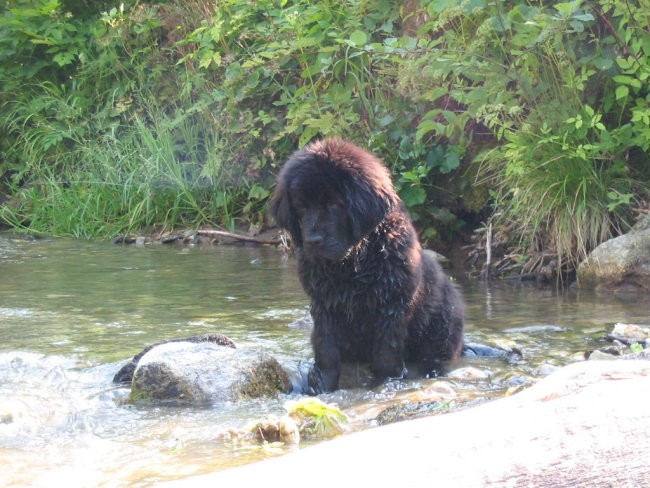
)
(632, 332)
(470, 373)
(205, 373)
(601, 356)
(406, 411)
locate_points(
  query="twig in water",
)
(239, 237)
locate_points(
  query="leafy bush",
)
(123, 144)
(559, 96)
(179, 113)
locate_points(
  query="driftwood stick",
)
(239, 237)
(627, 340)
(488, 251)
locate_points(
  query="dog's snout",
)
(314, 239)
(312, 233)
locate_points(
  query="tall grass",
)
(158, 172)
(111, 136)
(551, 187)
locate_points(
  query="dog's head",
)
(330, 195)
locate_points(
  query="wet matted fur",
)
(376, 297)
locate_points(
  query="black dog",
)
(375, 296)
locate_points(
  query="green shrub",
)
(559, 96)
(124, 144)
(179, 113)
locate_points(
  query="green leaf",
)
(451, 162)
(636, 347)
(429, 125)
(577, 26)
(209, 57)
(565, 9)
(622, 92)
(358, 38)
(258, 192)
(64, 58)
(439, 6)
(624, 63)
(628, 80)
(603, 63)
(413, 195)
(307, 135)
(42, 40)
(586, 17)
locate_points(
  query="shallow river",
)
(72, 312)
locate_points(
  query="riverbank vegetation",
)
(526, 120)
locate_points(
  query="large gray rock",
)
(619, 264)
(204, 373)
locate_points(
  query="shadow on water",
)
(72, 312)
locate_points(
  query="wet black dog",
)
(375, 296)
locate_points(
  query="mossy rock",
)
(205, 373)
(125, 374)
(619, 264)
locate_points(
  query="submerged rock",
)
(626, 340)
(407, 411)
(631, 332)
(599, 355)
(469, 373)
(202, 370)
(619, 264)
(274, 429)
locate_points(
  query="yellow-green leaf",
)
(622, 92)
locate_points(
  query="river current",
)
(73, 311)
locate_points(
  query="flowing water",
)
(72, 312)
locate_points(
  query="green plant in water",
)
(636, 347)
(316, 417)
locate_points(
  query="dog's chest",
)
(357, 294)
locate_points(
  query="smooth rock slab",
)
(585, 425)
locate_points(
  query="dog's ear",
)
(367, 205)
(284, 214)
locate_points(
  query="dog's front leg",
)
(388, 351)
(324, 374)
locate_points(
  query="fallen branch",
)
(628, 341)
(239, 237)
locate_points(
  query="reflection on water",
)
(104, 302)
(71, 312)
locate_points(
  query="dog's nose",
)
(314, 240)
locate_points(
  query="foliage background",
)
(529, 116)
